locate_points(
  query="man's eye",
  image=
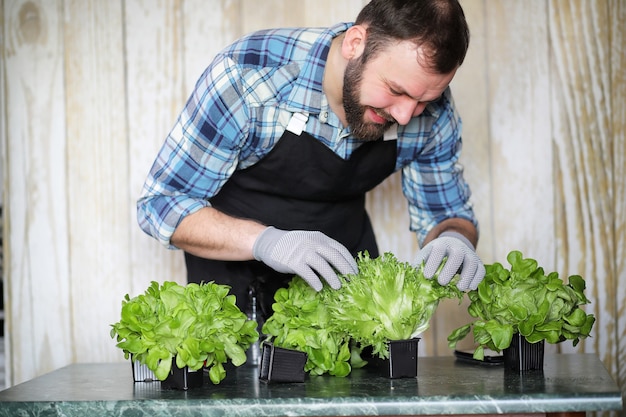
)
(394, 92)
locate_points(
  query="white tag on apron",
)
(391, 133)
(297, 123)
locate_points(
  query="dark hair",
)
(438, 26)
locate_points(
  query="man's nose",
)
(406, 109)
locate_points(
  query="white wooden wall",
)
(90, 88)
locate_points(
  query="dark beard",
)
(355, 112)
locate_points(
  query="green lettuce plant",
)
(301, 321)
(527, 301)
(387, 300)
(198, 324)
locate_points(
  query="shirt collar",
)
(306, 95)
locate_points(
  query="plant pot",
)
(281, 365)
(522, 355)
(402, 362)
(182, 379)
(141, 372)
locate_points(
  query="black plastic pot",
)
(402, 361)
(182, 379)
(522, 355)
(280, 364)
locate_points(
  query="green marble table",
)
(568, 383)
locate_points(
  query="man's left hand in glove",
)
(462, 259)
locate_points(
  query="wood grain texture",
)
(208, 27)
(581, 111)
(98, 173)
(3, 144)
(91, 89)
(520, 153)
(278, 13)
(155, 89)
(617, 13)
(587, 40)
(36, 244)
(616, 320)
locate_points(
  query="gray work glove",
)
(461, 255)
(305, 253)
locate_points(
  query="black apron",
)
(299, 185)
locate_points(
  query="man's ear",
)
(354, 42)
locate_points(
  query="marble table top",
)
(568, 383)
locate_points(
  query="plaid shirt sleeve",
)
(232, 120)
(432, 179)
(198, 155)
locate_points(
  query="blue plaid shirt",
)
(241, 106)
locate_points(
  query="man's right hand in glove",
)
(308, 254)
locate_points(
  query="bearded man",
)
(265, 172)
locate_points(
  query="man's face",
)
(392, 87)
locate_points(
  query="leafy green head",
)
(524, 300)
(301, 321)
(387, 300)
(198, 325)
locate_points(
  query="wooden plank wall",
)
(90, 88)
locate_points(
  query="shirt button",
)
(324, 116)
